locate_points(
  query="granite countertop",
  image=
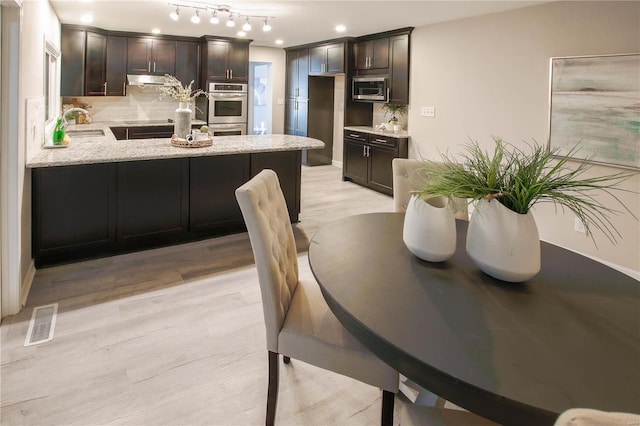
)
(374, 131)
(106, 149)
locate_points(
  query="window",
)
(51, 81)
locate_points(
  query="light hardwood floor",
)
(176, 336)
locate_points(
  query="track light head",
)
(214, 17)
(266, 27)
(196, 18)
(230, 21)
(175, 15)
(247, 25)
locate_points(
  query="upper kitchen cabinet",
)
(327, 59)
(147, 55)
(116, 77)
(73, 45)
(95, 65)
(297, 74)
(225, 60)
(188, 63)
(372, 54)
(399, 69)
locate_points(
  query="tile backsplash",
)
(141, 103)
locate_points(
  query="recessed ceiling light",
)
(87, 19)
(341, 28)
(279, 41)
(241, 34)
(155, 31)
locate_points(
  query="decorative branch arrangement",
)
(174, 89)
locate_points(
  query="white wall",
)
(489, 76)
(277, 58)
(38, 20)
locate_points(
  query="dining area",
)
(560, 348)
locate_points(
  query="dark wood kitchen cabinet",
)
(327, 59)
(399, 69)
(225, 60)
(297, 76)
(212, 185)
(74, 212)
(73, 44)
(188, 63)
(367, 159)
(296, 116)
(146, 55)
(153, 202)
(149, 132)
(287, 165)
(116, 66)
(95, 65)
(372, 54)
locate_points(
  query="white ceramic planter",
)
(502, 243)
(430, 229)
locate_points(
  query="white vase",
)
(182, 120)
(429, 230)
(503, 243)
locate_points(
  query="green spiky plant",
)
(519, 179)
(394, 110)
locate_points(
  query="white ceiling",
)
(295, 22)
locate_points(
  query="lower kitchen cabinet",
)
(74, 212)
(212, 185)
(98, 210)
(367, 159)
(153, 202)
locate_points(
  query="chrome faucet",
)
(64, 115)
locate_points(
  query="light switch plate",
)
(428, 111)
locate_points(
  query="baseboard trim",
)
(336, 163)
(25, 287)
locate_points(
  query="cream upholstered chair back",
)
(409, 174)
(274, 248)
(590, 417)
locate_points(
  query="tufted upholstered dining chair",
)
(408, 174)
(298, 321)
(589, 417)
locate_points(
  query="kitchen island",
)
(101, 196)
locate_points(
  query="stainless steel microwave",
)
(370, 89)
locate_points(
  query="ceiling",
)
(294, 22)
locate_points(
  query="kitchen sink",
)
(86, 133)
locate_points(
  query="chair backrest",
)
(409, 174)
(590, 417)
(265, 213)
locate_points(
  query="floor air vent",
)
(43, 322)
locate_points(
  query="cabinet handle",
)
(149, 66)
(154, 66)
(368, 151)
(124, 88)
(364, 150)
(381, 141)
(388, 94)
(354, 136)
(231, 74)
(105, 88)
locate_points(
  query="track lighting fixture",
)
(175, 15)
(216, 11)
(214, 17)
(196, 18)
(247, 25)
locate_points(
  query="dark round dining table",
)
(515, 353)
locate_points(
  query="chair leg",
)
(286, 359)
(272, 391)
(388, 399)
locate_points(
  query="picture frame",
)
(594, 104)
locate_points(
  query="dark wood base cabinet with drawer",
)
(96, 210)
(367, 159)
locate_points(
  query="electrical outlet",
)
(428, 111)
(578, 226)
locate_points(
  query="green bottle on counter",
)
(58, 133)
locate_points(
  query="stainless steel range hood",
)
(146, 80)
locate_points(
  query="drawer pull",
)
(382, 141)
